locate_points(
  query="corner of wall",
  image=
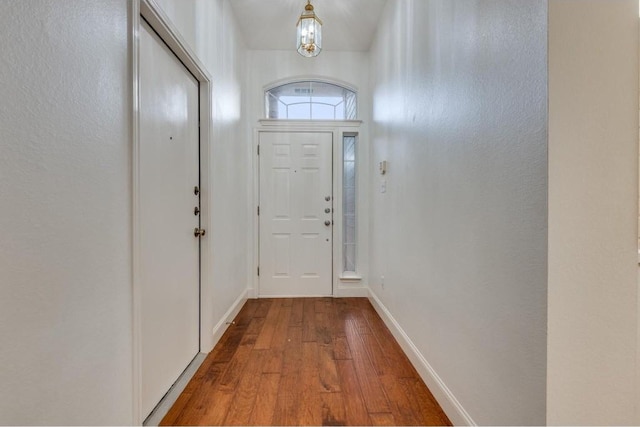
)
(222, 325)
(450, 405)
(593, 299)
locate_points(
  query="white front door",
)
(296, 204)
(169, 172)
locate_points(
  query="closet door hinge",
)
(258, 149)
(258, 210)
(258, 271)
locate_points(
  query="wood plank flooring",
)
(307, 361)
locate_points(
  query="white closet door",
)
(169, 171)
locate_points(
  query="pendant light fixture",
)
(309, 32)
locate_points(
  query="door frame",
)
(338, 128)
(161, 24)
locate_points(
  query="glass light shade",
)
(309, 33)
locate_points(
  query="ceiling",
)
(349, 25)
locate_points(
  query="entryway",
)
(296, 213)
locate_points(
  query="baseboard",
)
(293, 296)
(342, 292)
(351, 292)
(450, 405)
(162, 408)
(233, 311)
(252, 293)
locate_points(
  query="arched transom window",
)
(310, 100)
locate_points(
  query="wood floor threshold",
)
(306, 361)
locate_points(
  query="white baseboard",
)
(450, 405)
(342, 292)
(174, 392)
(351, 292)
(233, 311)
(293, 296)
(252, 293)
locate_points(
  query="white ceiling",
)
(349, 25)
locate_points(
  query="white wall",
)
(459, 113)
(209, 29)
(593, 191)
(65, 226)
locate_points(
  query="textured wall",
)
(459, 112)
(65, 186)
(593, 191)
(65, 222)
(210, 30)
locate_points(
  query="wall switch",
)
(383, 167)
(383, 185)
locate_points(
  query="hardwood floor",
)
(308, 361)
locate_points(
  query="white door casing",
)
(169, 251)
(295, 227)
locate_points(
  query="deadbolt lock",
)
(199, 232)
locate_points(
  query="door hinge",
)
(258, 271)
(258, 210)
(258, 149)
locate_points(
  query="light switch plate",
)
(383, 167)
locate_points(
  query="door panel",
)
(169, 171)
(295, 243)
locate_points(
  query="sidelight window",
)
(349, 202)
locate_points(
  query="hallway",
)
(492, 216)
(306, 361)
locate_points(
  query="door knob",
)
(327, 198)
(327, 210)
(196, 190)
(196, 211)
(199, 232)
(327, 223)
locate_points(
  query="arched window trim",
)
(311, 79)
